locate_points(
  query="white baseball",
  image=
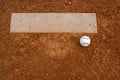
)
(85, 41)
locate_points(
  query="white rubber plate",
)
(53, 22)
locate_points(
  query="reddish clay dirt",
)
(58, 56)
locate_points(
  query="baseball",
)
(85, 41)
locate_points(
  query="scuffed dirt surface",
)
(58, 56)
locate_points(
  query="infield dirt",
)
(59, 56)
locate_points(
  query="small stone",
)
(17, 70)
(46, 74)
(103, 36)
(69, 3)
(31, 61)
(104, 10)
